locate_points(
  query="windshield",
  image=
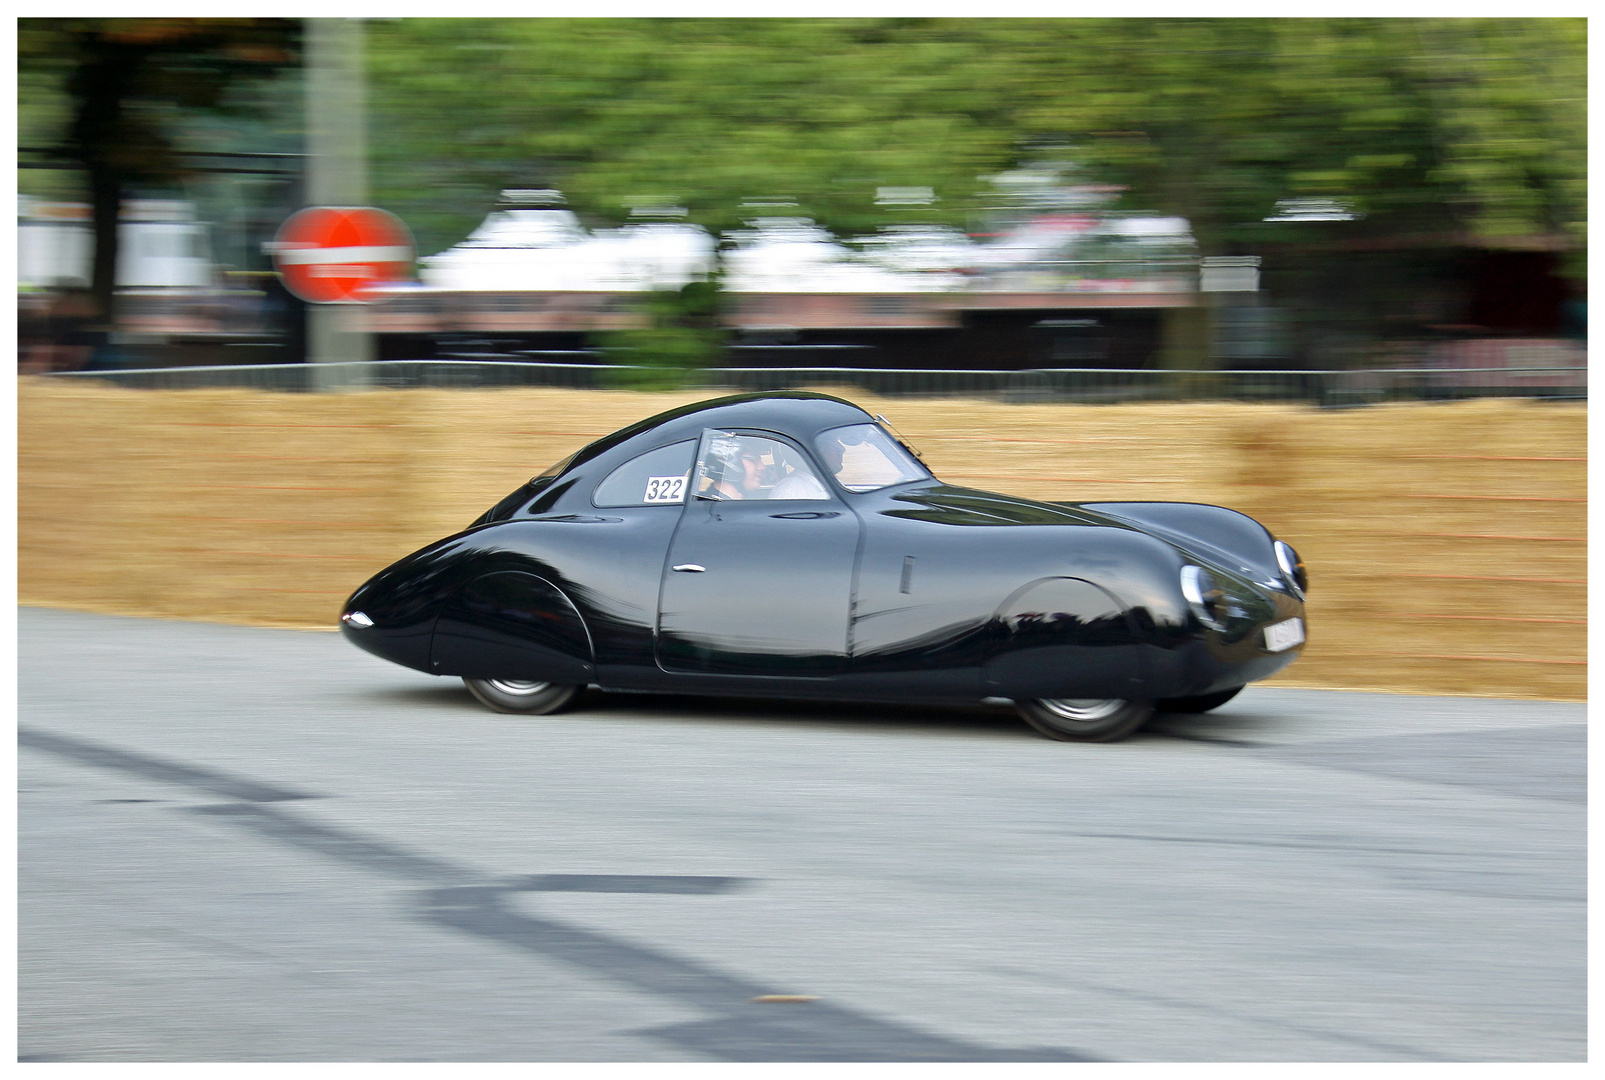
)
(863, 458)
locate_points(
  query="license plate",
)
(1284, 635)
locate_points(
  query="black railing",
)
(1087, 385)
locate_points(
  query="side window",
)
(654, 478)
(735, 466)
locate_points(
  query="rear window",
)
(655, 478)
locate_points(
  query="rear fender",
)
(1065, 637)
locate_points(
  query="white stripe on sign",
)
(310, 256)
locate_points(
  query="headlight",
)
(1224, 602)
(1204, 596)
(1293, 569)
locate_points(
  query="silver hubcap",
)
(518, 687)
(1083, 710)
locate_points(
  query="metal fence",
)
(1087, 385)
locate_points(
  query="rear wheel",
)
(1085, 719)
(1199, 703)
(521, 696)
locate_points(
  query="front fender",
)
(1226, 536)
(513, 625)
(398, 606)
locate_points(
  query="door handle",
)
(690, 568)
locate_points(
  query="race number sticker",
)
(664, 489)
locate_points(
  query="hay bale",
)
(267, 508)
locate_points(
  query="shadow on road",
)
(739, 1027)
(669, 709)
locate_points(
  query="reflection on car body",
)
(788, 545)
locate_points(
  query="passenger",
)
(832, 450)
(800, 484)
(862, 464)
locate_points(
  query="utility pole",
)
(337, 175)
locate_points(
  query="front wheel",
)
(519, 696)
(1085, 719)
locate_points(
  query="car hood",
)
(1216, 536)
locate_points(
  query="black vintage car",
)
(791, 545)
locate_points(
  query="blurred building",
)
(176, 305)
(161, 245)
(1045, 289)
(1049, 278)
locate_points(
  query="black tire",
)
(1085, 719)
(519, 696)
(1200, 703)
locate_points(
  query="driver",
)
(748, 484)
(746, 474)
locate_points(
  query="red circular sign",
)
(331, 254)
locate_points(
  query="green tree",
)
(712, 115)
(1439, 127)
(702, 113)
(1423, 127)
(128, 83)
(682, 333)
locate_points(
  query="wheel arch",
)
(1063, 636)
(513, 624)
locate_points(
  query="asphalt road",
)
(260, 845)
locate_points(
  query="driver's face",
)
(751, 467)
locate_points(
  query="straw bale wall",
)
(1445, 542)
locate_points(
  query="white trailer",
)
(161, 245)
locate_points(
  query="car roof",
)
(801, 414)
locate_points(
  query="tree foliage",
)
(1435, 131)
(1471, 128)
(1418, 124)
(706, 114)
(129, 84)
(681, 334)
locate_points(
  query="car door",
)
(759, 576)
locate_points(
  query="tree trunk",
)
(1189, 333)
(1189, 336)
(106, 198)
(98, 137)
